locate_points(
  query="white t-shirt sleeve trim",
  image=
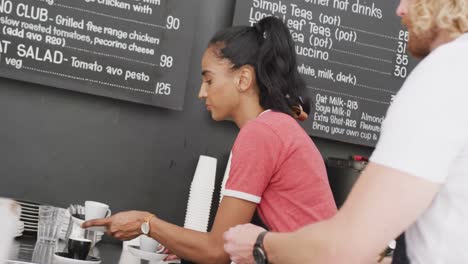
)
(242, 195)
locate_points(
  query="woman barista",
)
(249, 76)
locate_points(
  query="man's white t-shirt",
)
(425, 134)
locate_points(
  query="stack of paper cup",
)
(201, 195)
(9, 218)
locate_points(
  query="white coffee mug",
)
(150, 245)
(96, 210)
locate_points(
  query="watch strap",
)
(149, 217)
(259, 244)
(147, 221)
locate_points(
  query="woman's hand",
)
(123, 226)
(171, 256)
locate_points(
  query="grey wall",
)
(61, 147)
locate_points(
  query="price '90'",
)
(172, 23)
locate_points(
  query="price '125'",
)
(163, 88)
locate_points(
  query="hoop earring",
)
(298, 113)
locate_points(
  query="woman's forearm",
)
(187, 244)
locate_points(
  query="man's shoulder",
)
(443, 68)
(448, 54)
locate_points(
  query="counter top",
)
(25, 250)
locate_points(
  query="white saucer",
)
(146, 255)
(79, 221)
(64, 260)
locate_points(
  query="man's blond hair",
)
(447, 15)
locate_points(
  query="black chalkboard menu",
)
(134, 50)
(352, 55)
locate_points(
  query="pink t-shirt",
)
(276, 165)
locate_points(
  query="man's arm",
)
(382, 204)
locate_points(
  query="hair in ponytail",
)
(269, 48)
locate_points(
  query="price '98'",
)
(166, 61)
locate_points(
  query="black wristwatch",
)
(259, 252)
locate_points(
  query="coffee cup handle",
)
(160, 249)
(109, 212)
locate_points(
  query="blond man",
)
(417, 179)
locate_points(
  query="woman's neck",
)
(247, 113)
